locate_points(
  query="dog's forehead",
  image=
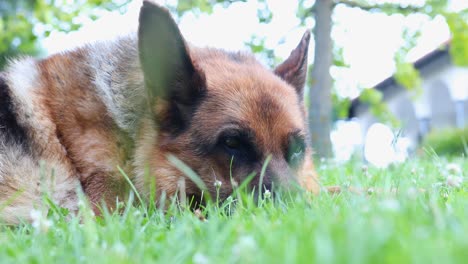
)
(251, 95)
(256, 96)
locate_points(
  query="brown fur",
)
(83, 126)
(90, 110)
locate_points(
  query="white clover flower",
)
(217, 184)
(454, 181)
(136, 213)
(104, 245)
(453, 169)
(35, 215)
(390, 205)
(40, 221)
(365, 209)
(244, 245)
(46, 224)
(119, 248)
(82, 203)
(200, 258)
(267, 194)
(234, 183)
(412, 193)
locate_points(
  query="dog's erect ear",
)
(294, 69)
(169, 72)
(167, 67)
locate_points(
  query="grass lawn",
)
(416, 212)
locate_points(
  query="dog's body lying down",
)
(69, 121)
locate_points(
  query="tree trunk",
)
(320, 108)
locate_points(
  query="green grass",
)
(424, 221)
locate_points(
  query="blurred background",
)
(388, 79)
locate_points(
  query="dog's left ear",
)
(171, 77)
(294, 69)
(165, 59)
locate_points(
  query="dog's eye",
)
(296, 151)
(232, 142)
(239, 144)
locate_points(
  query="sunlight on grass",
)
(413, 212)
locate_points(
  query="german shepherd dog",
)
(70, 121)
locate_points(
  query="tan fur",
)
(88, 111)
(84, 126)
(22, 175)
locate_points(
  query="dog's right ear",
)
(168, 69)
(294, 69)
(169, 72)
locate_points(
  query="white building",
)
(444, 101)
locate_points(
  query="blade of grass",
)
(133, 188)
(180, 165)
(262, 174)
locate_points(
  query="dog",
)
(75, 121)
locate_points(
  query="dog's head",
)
(223, 114)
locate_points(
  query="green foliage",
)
(371, 96)
(404, 214)
(340, 107)
(434, 7)
(338, 58)
(199, 6)
(447, 142)
(378, 108)
(256, 44)
(458, 24)
(408, 76)
(23, 23)
(264, 13)
(304, 10)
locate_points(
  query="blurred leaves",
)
(378, 108)
(371, 96)
(257, 45)
(338, 58)
(264, 13)
(340, 106)
(408, 76)
(199, 6)
(23, 23)
(458, 24)
(447, 141)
